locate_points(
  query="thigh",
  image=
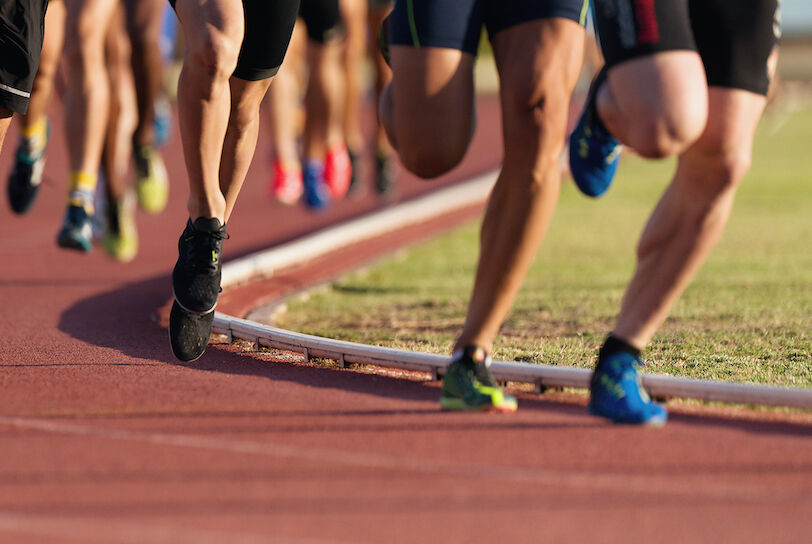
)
(322, 19)
(22, 24)
(538, 64)
(451, 24)
(654, 71)
(433, 87)
(736, 41)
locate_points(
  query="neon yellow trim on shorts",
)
(584, 8)
(412, 24)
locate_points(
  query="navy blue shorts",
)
(457, 24)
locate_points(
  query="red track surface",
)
(104, 437)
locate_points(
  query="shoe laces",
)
(201, 249)
(477, 362)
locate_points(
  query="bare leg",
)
(429, 83)
(283, 103)
(49, 61)
(538, 66)
(214, 32)
(241, 137)
(5, 121)
(383, 74)
(144, 18)
(354, 13)
(88, 95)
(123, 110)
(691, 215)
(656, 104)
(324, 99)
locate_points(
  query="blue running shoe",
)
(316, 192)
(594, 153)
(616, 393)
(77, 230)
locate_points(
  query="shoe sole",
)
(67, 241)
(448, 404)
(651, 422)
(189, 333)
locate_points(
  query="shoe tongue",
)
(207, 224)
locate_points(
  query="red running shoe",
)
(338, 171)
(286, 184)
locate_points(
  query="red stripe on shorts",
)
(648, 31)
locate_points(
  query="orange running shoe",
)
(338, 171)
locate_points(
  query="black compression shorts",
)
(22, 24)
(268, 27)
(322, 19)
(457, 24)
(734, 38)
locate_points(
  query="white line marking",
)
(86, 529)
(677, 485)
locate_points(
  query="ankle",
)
(613, 345)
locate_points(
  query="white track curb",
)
(265, 263)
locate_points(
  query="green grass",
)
(746, 317)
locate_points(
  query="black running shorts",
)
(268, 27)
(457, 24)
(734, 38)
(22, 25)
(322, 19)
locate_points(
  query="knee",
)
(535, 115)
(214, 53)
(85, 51)
(430, 157)
(430, 146)
(723, 167)
(665, 132)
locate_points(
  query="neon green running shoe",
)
(121, 236)
(468, 384)
(151, 180)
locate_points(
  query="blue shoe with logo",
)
(617, 394)
(316, 192)
(594, 153)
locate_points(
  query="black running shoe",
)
(196, 277)
(355, 177)
(196, 286)
(385, 176)
(26, 176)
(189, 333)
(77, 230)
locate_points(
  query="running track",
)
(104, 437)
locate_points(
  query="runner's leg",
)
(429, 84)
(538, 65)
(214, 33)
(241, 137)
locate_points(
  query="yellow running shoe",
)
(151, 180)
(468, 384)
(121, 237)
